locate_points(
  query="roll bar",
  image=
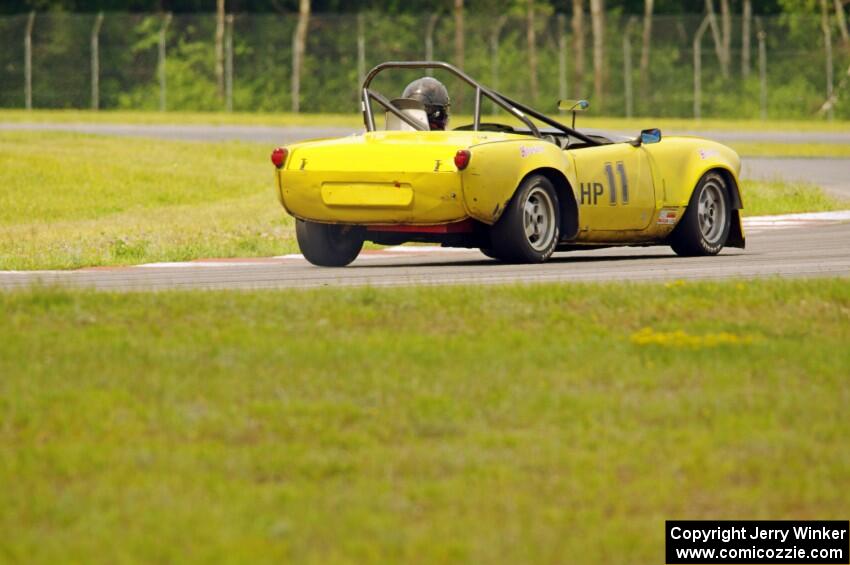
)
(512, 107)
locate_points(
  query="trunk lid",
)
(385, 152)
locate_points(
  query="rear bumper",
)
(372, 198)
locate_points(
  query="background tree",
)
(299, 44)
(531, 41)
(842, 23)
(718, 38)
(459, 35)
(578, 47)
(597, 16)
(726, 23)
(746, 27)
(219, 47)
(827, 39)
(648, 7)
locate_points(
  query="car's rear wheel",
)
(704, 228)
(328, 245)
(489, 252)
(529, 228)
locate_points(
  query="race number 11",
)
(612, 185)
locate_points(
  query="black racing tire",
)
(489, 252)
(529, 228)
(328, 245)
(704, 228)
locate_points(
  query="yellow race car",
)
(516, 193)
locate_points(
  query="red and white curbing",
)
(756, 224)
(397, 251)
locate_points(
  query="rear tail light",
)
(279, 157)
(462, 158)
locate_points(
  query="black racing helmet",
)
(434, 96)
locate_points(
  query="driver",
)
(434, 96)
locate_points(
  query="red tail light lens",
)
(279, 157)
(462, 158)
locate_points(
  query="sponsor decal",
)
(667, 216)
(526, 151)
(707, 153)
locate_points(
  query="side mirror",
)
(652, 135)
(573, 106)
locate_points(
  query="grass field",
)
(766, 198)
(554, 423)
(354, 119)
(71, 200)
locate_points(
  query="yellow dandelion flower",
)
(682, 339)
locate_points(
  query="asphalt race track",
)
(288, 134)
(786, 249)
(831, 174)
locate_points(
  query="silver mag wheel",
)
(528, 230)
(704, 227)
(711, 210)
(539, 219)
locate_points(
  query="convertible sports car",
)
(517, 194)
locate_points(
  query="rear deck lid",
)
(387, 151)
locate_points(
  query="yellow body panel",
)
(616, 189)
(498, 166)
(660, 179)
(679, 162)
(384, 177)
(625, 194)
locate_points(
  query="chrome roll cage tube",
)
(520, 111)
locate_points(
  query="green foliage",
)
(353, 6)
(263, 59)
(189, 64)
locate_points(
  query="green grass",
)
(505, 425)
(767, 198)
(71, 200)
(354, 120)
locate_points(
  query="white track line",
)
(202, 264)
